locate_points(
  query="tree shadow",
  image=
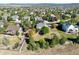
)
(59, 27)
(74, 40)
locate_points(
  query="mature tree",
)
(9, 19)
(44, 30)
(0, 18)
(73, 15)
(26, 24)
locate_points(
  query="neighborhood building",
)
(69, 28)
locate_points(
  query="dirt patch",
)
(57, 50)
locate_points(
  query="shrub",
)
(62, 41)
(5, 41)
(42, 43)
(77, 39)
(9, 19)
(54, 41)
(32, 32)
(44, 30)
(37, 45)
(0, 18)
(15, 46)
(47, 45)
(53, 25)
(32, 45)
(73, 15)
(26, 24)
(62, 21)
(2, 30)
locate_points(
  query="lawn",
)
(66, 35)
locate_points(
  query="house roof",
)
(52, 15)
(40, 25)
(12, 28)
(15, 17)
(1, 23)
(38, 18)
(26, 17)
(65, 26)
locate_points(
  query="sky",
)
(39, 1)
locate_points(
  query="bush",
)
(5, 41)
(62, 41)
(54, 41)
(44, 30)
(37, 45)
(43, 43)
(32, 45)
(2, 30)
(15, 46)
(26, 24)
(73, 15)
(9, 19)
(62, 21)
(47, 45)
(77, 39)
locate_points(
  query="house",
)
(26, 18)
(4, 17)
(31, 13)
(68, 15)
(53, 17)
(17, 21)
(41, 24)
(38, 19)
(20, 31)
(12, 29)
(14, 17)
(16, 12)
(1, 24)
(69, 28)
(77, 14)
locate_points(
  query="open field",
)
(58, 50)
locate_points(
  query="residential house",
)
(69, 28)
(5, 16)
(41, 24)
(68, 15)
(17, 21)
(12, 29)
(26, 18)
(15, 17)
(77, 15)
(39, 19)
(1, 24)
(53, 17)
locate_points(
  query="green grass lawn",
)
(65, 35)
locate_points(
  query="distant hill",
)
(70, 5)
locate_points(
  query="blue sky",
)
(39, 1)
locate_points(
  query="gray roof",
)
(15, 17)
(40, 25)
